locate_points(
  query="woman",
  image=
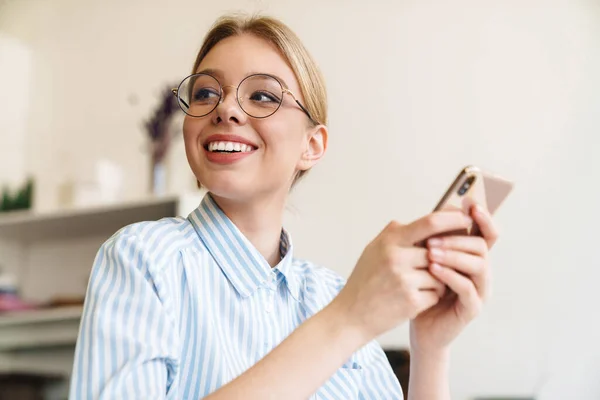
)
(215, 306)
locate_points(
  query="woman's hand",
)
(391, 282)
(461, 263)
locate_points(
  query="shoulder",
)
(318, 279)
(149, 244)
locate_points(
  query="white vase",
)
(159, 179)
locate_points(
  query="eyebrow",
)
(219, 74)
(211, 71)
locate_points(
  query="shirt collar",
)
(285, 266)
(243, 265)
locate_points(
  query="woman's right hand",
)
(391, 283)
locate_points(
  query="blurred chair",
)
(400, 362)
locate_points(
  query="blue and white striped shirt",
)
(178, 307)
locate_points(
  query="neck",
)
(259, 220)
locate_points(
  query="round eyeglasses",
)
(258, 95)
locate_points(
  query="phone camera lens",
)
(465, 186)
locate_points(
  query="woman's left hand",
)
(461, 262)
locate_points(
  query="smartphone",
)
(474, 186)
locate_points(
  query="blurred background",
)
(90, 141)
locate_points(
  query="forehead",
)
(236, 57)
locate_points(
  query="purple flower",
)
(158, 125)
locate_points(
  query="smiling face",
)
(236, 156)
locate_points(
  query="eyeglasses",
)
(258, 95)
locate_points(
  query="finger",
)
(485, 224)
(439, 290)
(423, 280)
(464, 263)
(462, 286)
(474, 267)
(467, 244)
(431, 225)
(408, 257)
(426, 299)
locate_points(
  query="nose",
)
(228, 110)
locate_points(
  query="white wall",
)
(511, 86)
(15, 70)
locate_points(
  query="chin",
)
(229, 187)
(240, 188)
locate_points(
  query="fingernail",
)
(479, 208)
(435, 242)
(468, 220)
(437, 253)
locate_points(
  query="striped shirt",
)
(178, 307)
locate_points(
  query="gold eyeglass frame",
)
(284, 90)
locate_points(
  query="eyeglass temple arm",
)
(306, 112)
(175, 91)
(300, 105)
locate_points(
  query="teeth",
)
(229, 146)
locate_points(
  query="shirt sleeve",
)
(125, 348)
(379, 380)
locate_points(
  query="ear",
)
(316, 145)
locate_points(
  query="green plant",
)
(20, 200)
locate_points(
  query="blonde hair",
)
(306, 71)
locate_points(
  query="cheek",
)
(188, 126)
(191, 130)
(282, 139)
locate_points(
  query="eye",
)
(205, 94)
(264, 97)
